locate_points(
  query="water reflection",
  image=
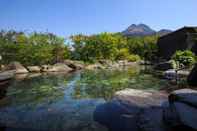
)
(104, 83)
(66, 101)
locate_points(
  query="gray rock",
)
(5, 78)
(170, 74)
(117, 117)
(19, 69)
(170, 117)
(186, 115)
(6, 75)
(187, 96)
(182, 109)
(151, 119)
(34, 68)
(141, 98)
(47, 68)
(173, 74)
(192, 78)
(61, 67)
(74, 64)
(124, 111)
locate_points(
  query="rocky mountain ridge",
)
(143, 30)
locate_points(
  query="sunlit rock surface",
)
(137, 110)
(19, 69)
(140, 97)
(128, 111)
(34, 68)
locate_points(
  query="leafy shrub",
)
(184, 58)
(122, 54)
(133, 58)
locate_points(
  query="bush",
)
(122, 54)
(184, 58)
(33, 49)
(133, 58)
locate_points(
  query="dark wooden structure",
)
(182, 39)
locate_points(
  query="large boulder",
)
(74, 64)
(192, 78)
(173, 74)
(19, 69)
(187, 96)
(34, 68)
(137, 110)
(182, 109)
(170, 74)
(94, 67)
(5, 78)
(47, 68)
(6, 75)
(151, 119)
(181, 115)
(131, 110)
(59, 67)
(165, 65)
(141, 98)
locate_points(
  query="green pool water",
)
(66, 102)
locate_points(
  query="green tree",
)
(184, 58)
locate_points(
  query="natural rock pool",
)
(66, 102)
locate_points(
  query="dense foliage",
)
(33, 49)
(184, 58)
(113, 47)
(46, 48)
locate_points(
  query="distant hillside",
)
(163, 32)
(143, 30)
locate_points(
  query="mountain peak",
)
(143, 30)
(138, 30)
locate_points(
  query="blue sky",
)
(67, 17)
